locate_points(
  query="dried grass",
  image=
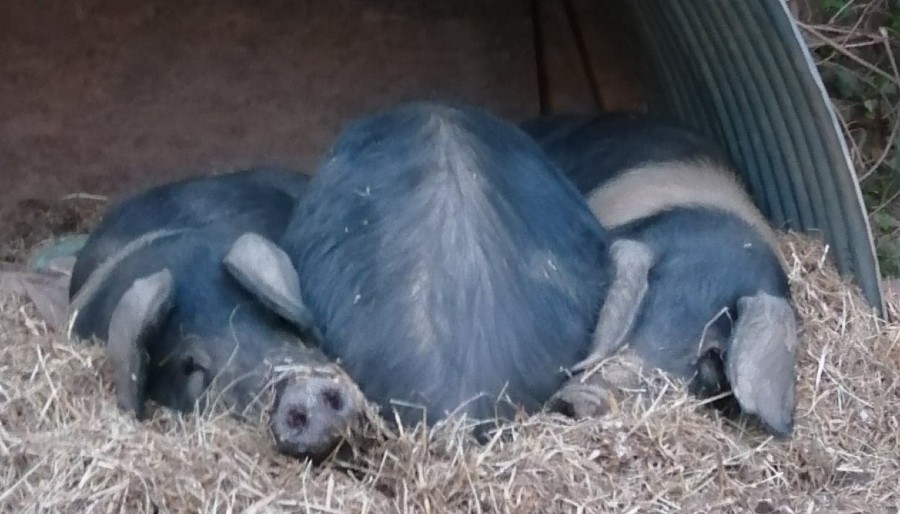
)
(64, 447)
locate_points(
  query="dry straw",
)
(64, 447)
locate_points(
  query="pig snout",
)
(312, 415)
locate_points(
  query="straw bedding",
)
(64, 446)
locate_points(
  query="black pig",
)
(700, 289)
(448, 264)
(193, 309)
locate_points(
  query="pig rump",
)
(448, 263)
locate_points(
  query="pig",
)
(700, 290)
(189, 203)
(447, 264)
(194, 312)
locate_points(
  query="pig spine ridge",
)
(444, 258)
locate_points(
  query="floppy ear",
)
(263, 268)
(632, 261)
(760, 362)
(138, 314)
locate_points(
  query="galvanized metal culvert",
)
(739, 71)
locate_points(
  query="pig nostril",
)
(297, 419)
(332, 398)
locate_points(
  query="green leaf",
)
(884, 221)
(871, 104)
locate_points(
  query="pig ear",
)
(138, 314)
(632, 261)
(760, 361)
(266, 271)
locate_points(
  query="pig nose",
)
(311, 415)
